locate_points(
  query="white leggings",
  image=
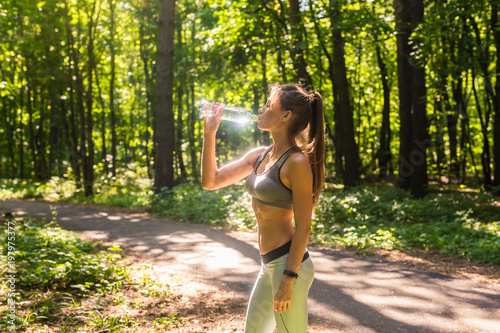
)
(261, 317)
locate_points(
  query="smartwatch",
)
(290, 273)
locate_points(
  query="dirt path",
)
(349, 294)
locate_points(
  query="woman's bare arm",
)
(301, 179)
(211, 176)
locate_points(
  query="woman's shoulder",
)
(298, 159)
(253, 154)
(258, 150)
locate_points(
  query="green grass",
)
(51, 257)
(122, 192)
(456, 222)
(464, 224)
(48, 272)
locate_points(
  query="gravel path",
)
(349, 294)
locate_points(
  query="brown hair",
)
(307, 128)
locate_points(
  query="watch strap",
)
(290, 273)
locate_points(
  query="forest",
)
(91, 89)
(99, 104)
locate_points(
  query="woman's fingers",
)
(282, 307)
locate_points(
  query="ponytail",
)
(316, 151)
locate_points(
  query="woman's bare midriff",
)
(274, 224)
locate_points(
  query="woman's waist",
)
(280, 252)
(270, 212)
(274, 236)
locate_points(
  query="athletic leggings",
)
(261, 317)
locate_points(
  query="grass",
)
(463, 224)
(52, 278)
(457, 222)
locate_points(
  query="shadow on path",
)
(349, 294)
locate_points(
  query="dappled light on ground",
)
(374, 295)
(349, 294)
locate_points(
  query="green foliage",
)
(168, 322)
(228, 51)
(458, 221)
(452, 223)
(149, 287)
(464, 224)
(125, 191)
(230, 206)
(455, 223)
(56, 271)
(47, 256)
(114, 324)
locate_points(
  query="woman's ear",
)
(288, 115)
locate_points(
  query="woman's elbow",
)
(304, 228)
(208, 186)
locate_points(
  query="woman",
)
(285, 182)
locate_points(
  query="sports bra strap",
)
(284, 157)
(280, 161)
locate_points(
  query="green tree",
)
(164, 127)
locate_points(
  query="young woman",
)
(285, 181)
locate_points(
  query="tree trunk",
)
(460, 113)
(485, 154)
(31, 125)
(451, 127)
(73, 71)
(264, 136)
(164, 124)
(279, 55)
(484, 63)
(438, 135)
(496, 121)
(181, 79)
(88, 155)
(112, 86)
(41, 142)
(104, 152)
(81, 119)
(55, 134)
(180, 126)
(147, 84)
(412, 99)
(297, 47)
(346, 147)
(403, 28)
(420, 137)
(192, 121)
(331, 76)
(10, 138)
(384, 154)
(21, 134)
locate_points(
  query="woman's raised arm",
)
(211, 176)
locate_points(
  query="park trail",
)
(349, 293)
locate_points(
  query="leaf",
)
(115, 248)
(40, 4)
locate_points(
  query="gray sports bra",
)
(267, 187)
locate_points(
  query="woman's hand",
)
(211, 124)
(283, 297)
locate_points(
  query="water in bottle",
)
(230, 113)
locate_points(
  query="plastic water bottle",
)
(230, 113)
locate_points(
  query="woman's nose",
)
(260, 110)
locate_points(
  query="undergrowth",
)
(48, 274)
(458, 222)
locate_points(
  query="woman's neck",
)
(281, 143)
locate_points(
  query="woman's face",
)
(270, 115)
